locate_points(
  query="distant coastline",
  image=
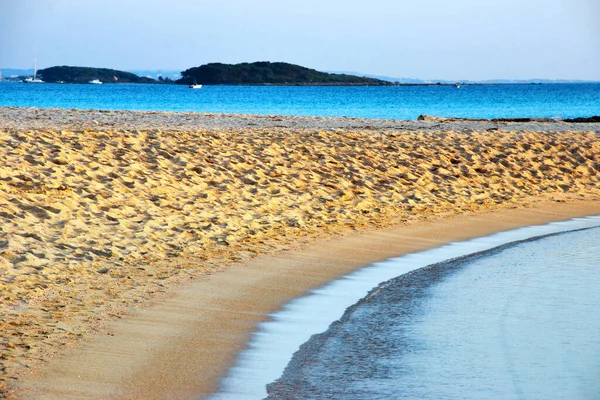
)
(152, 81)
(249, 74)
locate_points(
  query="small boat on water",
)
(456, 85)
(33, 79)
(95, 82)
(195, 86)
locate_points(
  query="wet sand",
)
(218, 226)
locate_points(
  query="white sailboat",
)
(35, 78)
(95, 82)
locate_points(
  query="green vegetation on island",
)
(256, 73)
(68, 74)
(268, 73)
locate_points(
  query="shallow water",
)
(390, 102)
(525, 325)
(519, 323)
(273, 345)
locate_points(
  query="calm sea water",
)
(545, 292)
(395, 102)
(519, 323)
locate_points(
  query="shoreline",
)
(421, 272)
(181, 346)
(107, 212)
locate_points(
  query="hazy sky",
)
(427, 39)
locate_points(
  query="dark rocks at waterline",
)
(595, 118)
(429, 118)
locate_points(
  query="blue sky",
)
(427, 39)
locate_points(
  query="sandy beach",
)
(139, 250)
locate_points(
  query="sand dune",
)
(95, 221)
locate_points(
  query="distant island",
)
(255, 73)
(269, 73)
(66, 74)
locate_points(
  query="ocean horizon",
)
(560, 100)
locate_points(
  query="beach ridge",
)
(96, 221)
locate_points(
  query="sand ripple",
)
(94, 221)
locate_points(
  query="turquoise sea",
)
(391, 102)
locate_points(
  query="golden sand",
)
(94, 222)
